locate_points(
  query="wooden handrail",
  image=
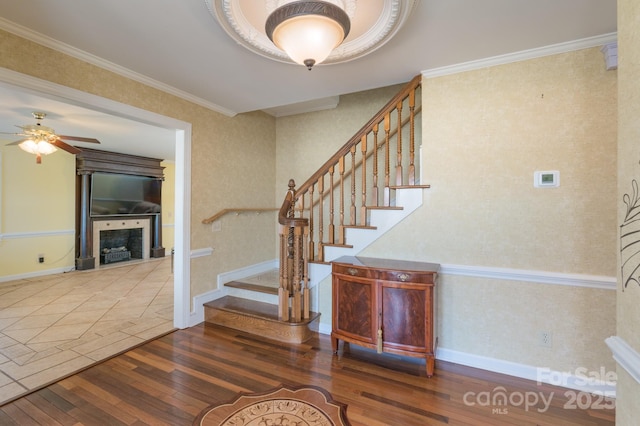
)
(381, 146)
(284, 218)
(358, 136)
(237, 210)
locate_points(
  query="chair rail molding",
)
(543, 277)
(627, 357)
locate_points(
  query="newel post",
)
(293, 292)
(285, 289)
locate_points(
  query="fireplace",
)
(121, 239)
(116, 236)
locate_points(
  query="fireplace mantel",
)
(89, 161)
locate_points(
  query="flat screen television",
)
(121, 194)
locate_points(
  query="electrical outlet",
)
(216, 226)
(41, 258)
(545, 338)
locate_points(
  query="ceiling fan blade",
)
(16, 142)
(79, 139)
(64, 146)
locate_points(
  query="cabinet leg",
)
(431, 365)
(334, 344)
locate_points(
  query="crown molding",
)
(61, 47)
(524, 55)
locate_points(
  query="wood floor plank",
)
(169, 381)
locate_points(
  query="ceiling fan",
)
(42, 140)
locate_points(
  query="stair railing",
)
(342, 192)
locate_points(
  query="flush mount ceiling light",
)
(308, 31)
(271, 28)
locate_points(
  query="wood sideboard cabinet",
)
(384, 304)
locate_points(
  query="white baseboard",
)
(36, 274)
(197, 315)
(580, 380)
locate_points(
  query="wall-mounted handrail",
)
(238, 210)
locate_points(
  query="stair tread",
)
(410, 186)
(259, 288)
(385, 208)
(337, 245)
(361, 227)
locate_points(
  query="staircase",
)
(352, 200)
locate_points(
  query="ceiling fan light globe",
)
(45, 148)
(308, 37)
(29, 146)
(41, 147)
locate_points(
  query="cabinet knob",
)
(403, 277)
(352, 271)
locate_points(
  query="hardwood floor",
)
(170, 380)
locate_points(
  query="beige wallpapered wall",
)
(485, 133)
(307, 141)
(628, 315)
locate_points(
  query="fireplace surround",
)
(90, 230)
(131, 234)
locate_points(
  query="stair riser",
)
(252, 295)
(280, 331)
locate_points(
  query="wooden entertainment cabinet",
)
(90, 161)
(386, 305)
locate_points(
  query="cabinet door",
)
(354, 308)
(406, 316)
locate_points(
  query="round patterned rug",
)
(291, 406)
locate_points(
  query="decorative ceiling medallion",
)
(373, 23)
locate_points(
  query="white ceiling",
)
(177, 46)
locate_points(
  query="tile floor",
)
(55, 325)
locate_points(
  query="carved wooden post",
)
(374, 193)
(332, 238)
(321, 219)
(399, 141)
(287, 254)
(298, 268)
(312, 253)
(353, 185)
(363, 184)
(283, 291)
(305, 264)
(412, 107)
(387, 195)
(341, 167)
